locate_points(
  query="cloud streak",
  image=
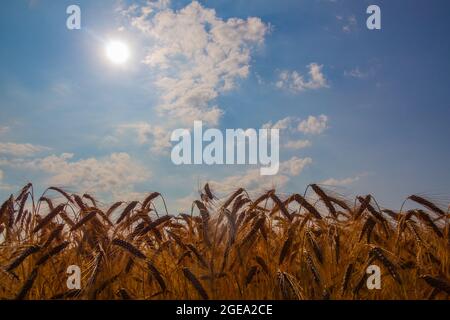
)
(341, 182)
(20, 150)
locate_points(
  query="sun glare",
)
(117, 52)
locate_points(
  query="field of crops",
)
(314, 245)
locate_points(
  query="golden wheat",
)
(270, 247)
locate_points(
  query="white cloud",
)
(341, 182)
(283, 124)
(116, 173)
(196, 56)
(20, 150)
(297, 144)
(295, 82)
(253, 181)
(314, 125)
(291, 125)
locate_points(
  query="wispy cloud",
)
(297, 144)
(295, 82)
(20, 150)
(143, 130)
(158, 136)
(364, 73)
(341, 182)
(356, 73)
(348, 23)
(283, 124)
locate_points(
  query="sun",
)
(117, 52)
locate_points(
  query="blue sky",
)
(378, 102)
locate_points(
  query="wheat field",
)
(310, 246)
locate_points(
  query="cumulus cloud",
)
(253, 181)
(20, 150)
(295, 82)
(117, 173)
(314, 125)
(196, 56)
